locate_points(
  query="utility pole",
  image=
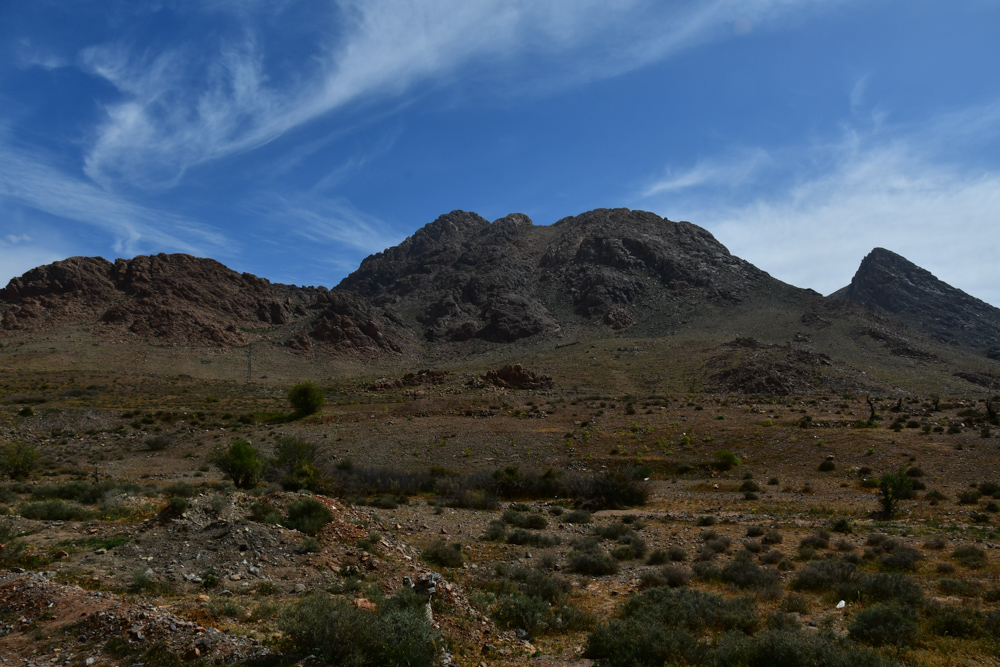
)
(249, 362)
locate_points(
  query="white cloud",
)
(27, 179)
(189, 105)
(330, 221)
(736, 170)
(891, 188)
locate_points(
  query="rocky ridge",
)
(892, 285)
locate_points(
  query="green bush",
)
(262, 511)
(639, 642)
(180, 490)
(745, 574)
(593, 562)
(176, 506)
(54, 510)
(954, 621)
(660, 626)
(444, 555)
(524, 537)
(532, 582)
(307, 516)
(525, 519)
(306, 398)
(969, 497)
(576, 516)
(884, 625)
(657, 557)
(970, 557)
(294, 465)
(310, 545)
(725, 459)
(496, 531)
(893, 487)
(18, 460)
(613, 490)
(398, 633)
(240, 461)
(670, 575)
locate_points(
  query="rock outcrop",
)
(172, 298)
(891, 285)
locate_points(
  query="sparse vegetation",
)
(240, 461)
(306, 398)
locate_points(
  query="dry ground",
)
(131, 589)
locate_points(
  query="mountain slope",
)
(461, 277)
(890, 284)
(175, 298)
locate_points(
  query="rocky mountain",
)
(462, 285)
(462, 277)
(174, 298)
(890, 284)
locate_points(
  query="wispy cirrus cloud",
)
(28, 179)
(185, 106)
(823, 207)
(328, 220)
(735, 170)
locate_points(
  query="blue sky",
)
(292, 138)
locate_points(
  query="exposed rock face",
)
(175, 298)
(348, 323)
(892, 285)
(461, 277)
(517, 376)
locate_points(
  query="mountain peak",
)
(889, 283)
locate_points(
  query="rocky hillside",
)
(463, 285)
(171, 298)
(462, 277)
(890, 284)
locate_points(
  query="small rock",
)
(522, 634)
(444, 531)
(300, 588)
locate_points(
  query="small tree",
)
(19, 459)
(893, 487)
(306, 398)
(294, 465)
(241, 461)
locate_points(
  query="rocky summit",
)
(890, 284)
(462, 277)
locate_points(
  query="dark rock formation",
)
(891, 285)
(517, 376)
(175, 298)
(348, 323)
(461, 277)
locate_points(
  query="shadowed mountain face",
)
(889, 284)
(175, 298)
(461, 277)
